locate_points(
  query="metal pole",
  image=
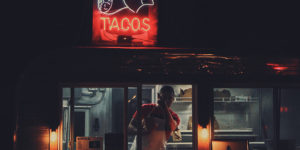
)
(125, 115)
(276, 116)
(72, 119)
(139, 116)
(195, 116)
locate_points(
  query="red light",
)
(286, 109)
(277, 66)
(280, 68)
(281, 109)
(271, 64)
(125, 24)
(135, 20)
(114, 24)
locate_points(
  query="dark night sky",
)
(37, 26)
(234, 26)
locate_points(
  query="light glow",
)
(138, 24)
(146, 24)
(126, 24)
(203, 138)
(279, 68)
(281, 109)
(113, 19)
(15, 137)
(53, 136)
(104, 22)
(284, 109)
(114, 24)
(122, 24)
(204, 133)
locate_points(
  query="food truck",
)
(84, 97)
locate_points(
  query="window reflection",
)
(97, 119)
(289, 122)
(244, 114)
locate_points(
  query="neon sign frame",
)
(131, 19)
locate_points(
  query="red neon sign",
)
(136, 21)
(125, 24)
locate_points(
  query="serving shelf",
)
(236, 99)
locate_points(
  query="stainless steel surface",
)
(82, 106)
(249, 130)
(257, 143)
(180, 145)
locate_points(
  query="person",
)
(158, 121)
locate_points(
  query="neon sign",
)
(132, 19)
(125, 24)
(107, 7)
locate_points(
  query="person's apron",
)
(156, 139)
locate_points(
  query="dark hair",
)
(167, 91)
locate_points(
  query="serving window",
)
(181, 109)
(92, 117)
(244, 114)
(99, 117)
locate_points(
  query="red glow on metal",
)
(271, 64)
(281, 109)
(286, 109)
(279, 68)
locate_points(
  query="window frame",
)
(125, 86)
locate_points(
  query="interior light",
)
(204, 133)
(203, 138)
(15, 137)
(53, 136)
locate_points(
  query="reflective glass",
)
(244, 114)
(289, 119)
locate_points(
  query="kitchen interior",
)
(248, 114)
(182, 106)
(98, 114)
(244, 114)
(239, 114)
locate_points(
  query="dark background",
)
(32, 28)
